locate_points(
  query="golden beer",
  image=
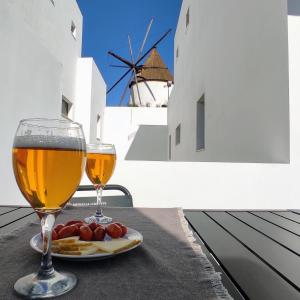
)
(100, 167)
(47, 177)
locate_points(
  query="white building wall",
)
(121, 125)
(211, 185)
(152, 93)
(236, 53)
(38, 59)
(90, 97)
(30, 86)
(51, 25)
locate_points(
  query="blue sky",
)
(106, 24)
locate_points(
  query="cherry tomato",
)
(99, 233)
(76, 228)
(114, 230)
(85, 233)
(123, 227)
(66, 231)
(58, 227)
(54, 235)
(71, 222)
(93, 226)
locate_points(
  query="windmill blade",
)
(145, 39)
(118, 81)
(154, 45)
(149, 89)
(125, 61)
(119, 66)
(125, 90)
(134, 70)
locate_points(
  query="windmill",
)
(150, 83)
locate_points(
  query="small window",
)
(73, 30)
(170, 145)
(98, 134)
(178, 129)
(65, 107)
(177, 52)
(200, 135)
(187, 18)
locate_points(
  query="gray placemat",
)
(166, 266)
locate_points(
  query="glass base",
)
(33, 287)
(98, 220)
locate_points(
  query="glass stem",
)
(99, 190)
(47, 222)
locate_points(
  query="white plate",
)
(36, 244)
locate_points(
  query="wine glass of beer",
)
(100, 165)
(48, 161)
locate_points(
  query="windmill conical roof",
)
(155, 69)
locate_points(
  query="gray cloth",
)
(165, 266)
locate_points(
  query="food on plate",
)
(71, 222)
(69, 240)
(93, 225)
(58, 227)
(71, 246)
(123, 227)
(54, 235)
(85, 233)
(115, 245)
(99, 233)
(114, 230)
(67, 231)
(88, 232)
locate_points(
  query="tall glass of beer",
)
(48, 160)
(100, 165)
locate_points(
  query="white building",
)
(42, 74)
(244, 57)
(230, 102)
(154, 83)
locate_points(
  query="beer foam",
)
(52, 142)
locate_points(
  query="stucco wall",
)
(30, 86)
(90, 97)
(139, 133)
(51, 25)
(152, 93)
(236, 53)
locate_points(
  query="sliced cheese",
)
(86, 251)
(115, 245)
(68, 240)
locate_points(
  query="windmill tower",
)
(150, 84)
(154, 83)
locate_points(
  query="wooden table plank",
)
(281, 236)
(229, 285)
(279, 221)
(6, 209)
(286, 263)
(289, 215)
(18, 223)
(255, 279)
(14, 215)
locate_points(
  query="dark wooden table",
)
(257, 252)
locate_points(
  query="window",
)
(200, 130)
(187, 18)
(170, 145)
(98, 134)
(65, 107)
(177, 137)
(73, 30)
